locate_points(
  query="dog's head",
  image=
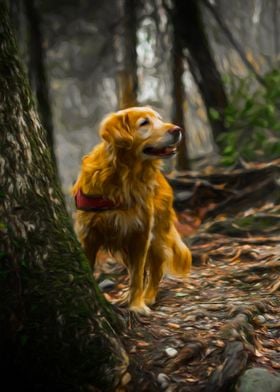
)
(141, 131)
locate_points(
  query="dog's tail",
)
(179, 263)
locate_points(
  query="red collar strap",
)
(93, 203)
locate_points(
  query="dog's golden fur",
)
(125, 168)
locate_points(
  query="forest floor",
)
(224, 318)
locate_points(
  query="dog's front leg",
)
(137, 254)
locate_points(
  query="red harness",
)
(93, 203)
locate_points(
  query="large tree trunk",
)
(55, 327)
(201, 62)
(125, 46)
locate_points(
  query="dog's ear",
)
(115, 129)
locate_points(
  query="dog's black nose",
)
(176, 132)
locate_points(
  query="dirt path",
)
(205, 330)
(225, 317)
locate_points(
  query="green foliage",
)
(253, 119)
(2, 226)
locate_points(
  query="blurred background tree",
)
(126, 55)
(212, 66)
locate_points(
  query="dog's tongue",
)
(168, 150)
(162, 151)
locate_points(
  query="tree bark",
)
(182, 162)
(201, 62)
(56, 329)
(126, 42)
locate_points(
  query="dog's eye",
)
(144, 122)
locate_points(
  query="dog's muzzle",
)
(169, 147)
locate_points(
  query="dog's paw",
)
(140, 309)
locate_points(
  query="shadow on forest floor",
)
(224, 318)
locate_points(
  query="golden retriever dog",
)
(124, 203)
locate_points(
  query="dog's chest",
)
(114, 228)
(124, 222)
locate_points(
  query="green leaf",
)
(214, 114)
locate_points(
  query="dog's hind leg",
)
(180, 263)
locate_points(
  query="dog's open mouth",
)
(161, 152)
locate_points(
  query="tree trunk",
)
(201, 62)
(126, 42)
(182, 162)
(55, 327)
(37, 71)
